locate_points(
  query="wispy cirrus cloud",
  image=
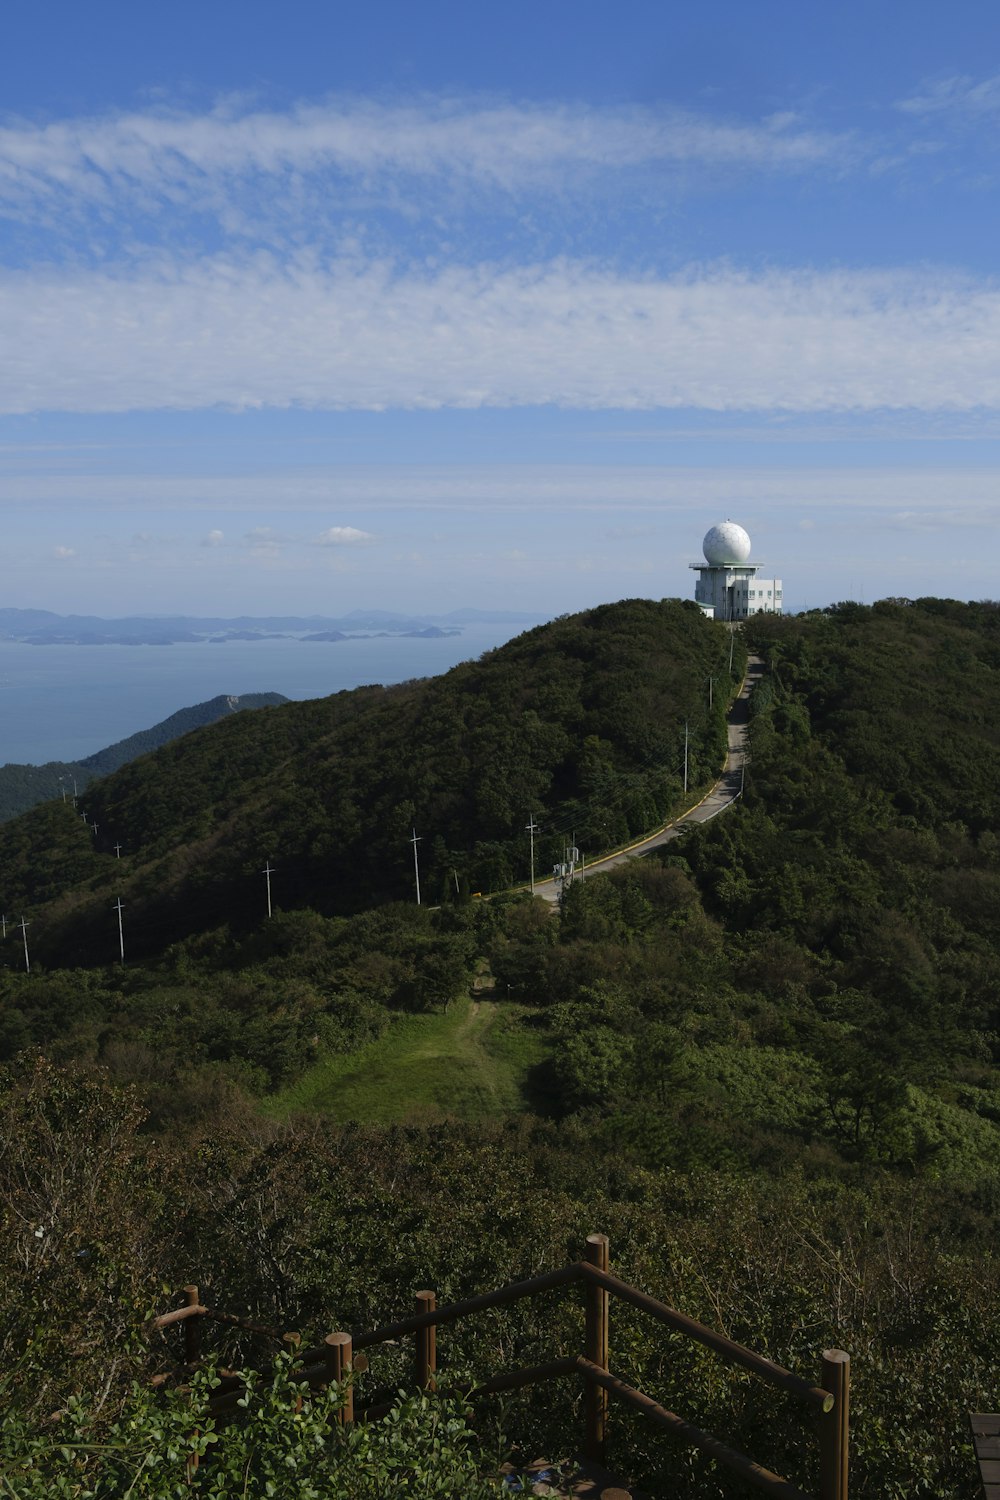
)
(179, 155)
(252, 332)
(957, 95)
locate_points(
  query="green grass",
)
(476, 1060)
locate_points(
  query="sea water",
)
(66, 702)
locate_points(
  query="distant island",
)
(39, 627)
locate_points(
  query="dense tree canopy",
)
(579, 723)
(765, 1060)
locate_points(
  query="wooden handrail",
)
(510, 1380)
(230, 1320)
(737, 1354)
(453, 1310)
(449, 1312)
(332, 1359)
(181, 1315)
(753, 1473)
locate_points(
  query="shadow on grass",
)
(540, 1090)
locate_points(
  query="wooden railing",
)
(340, 1354)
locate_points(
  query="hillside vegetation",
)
(579, 722)
(25, 786)
(764, 1060)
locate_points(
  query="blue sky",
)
(318, 306)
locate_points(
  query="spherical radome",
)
(726, 543)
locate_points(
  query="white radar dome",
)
(726, 543)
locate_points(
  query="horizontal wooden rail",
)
(230, 1320)
(735, 1353)
(509, 1381)
(320, 1365)
(774, 1374)
(512, 1379)
(180, 1315)
(753, 1473)
(454, 1310)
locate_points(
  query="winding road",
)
(722, 795)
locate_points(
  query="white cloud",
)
(958, 94)
(343, 536)
(63, 552)
(213, 539)
(180, 156)
(248, 333)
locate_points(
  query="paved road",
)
(723, 793)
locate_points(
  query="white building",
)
(728, 587)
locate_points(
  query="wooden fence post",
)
(426, 1343)
(338, 1366)
(192, 1328)
(836, 1378)
(595, 1396)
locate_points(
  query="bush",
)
(288, 1444)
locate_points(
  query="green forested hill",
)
(579, 722)
(24, 786)
(764, 1059)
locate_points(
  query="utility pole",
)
(24, 933)
(685, 757)
(94, 827)
(267, 872)
(416, 863)
(711, 685)
(532, 829)
(118, 851)
(3, 919)
(121, 937)
(732, 642)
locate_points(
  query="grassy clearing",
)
(475, 1060)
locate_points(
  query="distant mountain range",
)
(24, 786)
(40, 627)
